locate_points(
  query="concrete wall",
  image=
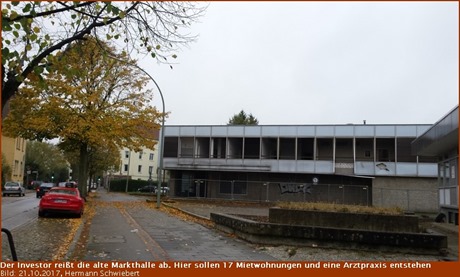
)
(283, 234)
(361, 221)
(410, 194)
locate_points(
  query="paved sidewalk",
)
(134, 232)
(130, 230)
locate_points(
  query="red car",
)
(62, 200)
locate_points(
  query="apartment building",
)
(138, 165)
(14, 152)
(352, 164)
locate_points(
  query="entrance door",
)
(200, 188)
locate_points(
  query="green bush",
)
(119, 185)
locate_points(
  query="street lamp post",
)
(160, 158)
(162, 136)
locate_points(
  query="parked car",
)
(153, 189)
(164, 190)
(44, 188)
(61, 200)
(71, 184)
(13, 188)
(149, 188)
(34, 184)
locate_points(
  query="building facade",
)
(137, 165)
(14, 152)
(351, 164)
(140, 165)
(441, 141)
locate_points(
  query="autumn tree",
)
(46, 159)
(100, 159)
(89, 101)
(243, 119)
(33, 32)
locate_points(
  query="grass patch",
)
(332, 207)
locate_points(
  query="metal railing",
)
(271, 191)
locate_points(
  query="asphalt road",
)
(31, 235)
(18, 211)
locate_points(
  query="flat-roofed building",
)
(353, 164)
(441, 141)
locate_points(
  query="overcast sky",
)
(316, 63)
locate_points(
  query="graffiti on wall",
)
(295, 188)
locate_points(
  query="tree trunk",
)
(9, 88)
(83, 170)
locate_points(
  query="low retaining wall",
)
(278, 234)
(371, 222)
